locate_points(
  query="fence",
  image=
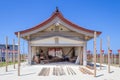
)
(114, 58)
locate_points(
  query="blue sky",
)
(101, 15)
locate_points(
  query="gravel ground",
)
(57, 71)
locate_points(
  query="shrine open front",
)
(43, 55)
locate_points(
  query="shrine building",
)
(57, 39)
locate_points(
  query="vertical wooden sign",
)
(18, 53)
(6, 55)
(108, 54)
(94, 54)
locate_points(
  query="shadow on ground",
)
(28, 74)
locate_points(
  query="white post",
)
(85, 54)
(29, 54)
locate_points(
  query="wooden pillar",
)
(0, 56)
(78, 57)
(18, 53)
(112, 62)
(94, 54)
(14, 53)
(101, 57)
(113, 58)
(108, 55)
(85, 54)
(119, 56)
(6, 55)
(81, 55)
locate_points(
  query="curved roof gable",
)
(58, 14)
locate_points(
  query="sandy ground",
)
(29, 72)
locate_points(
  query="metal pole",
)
(108, 54)
(14, 53)
(6, 56)
(94, 54)
(101, 54)
(18, 53)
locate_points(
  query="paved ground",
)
(57, 71)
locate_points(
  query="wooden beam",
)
(94, 54)
(108, 54)
(101, 57)
(18, 53)
(6, 56)
(14, 53)
(69, 37)
(64, 34)
(67, 33)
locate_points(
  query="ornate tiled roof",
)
(58, 14)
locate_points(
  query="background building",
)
(10, 52)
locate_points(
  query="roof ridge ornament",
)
(57, 9)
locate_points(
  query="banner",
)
(59, 53)
(51, 52)
(55, 52)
